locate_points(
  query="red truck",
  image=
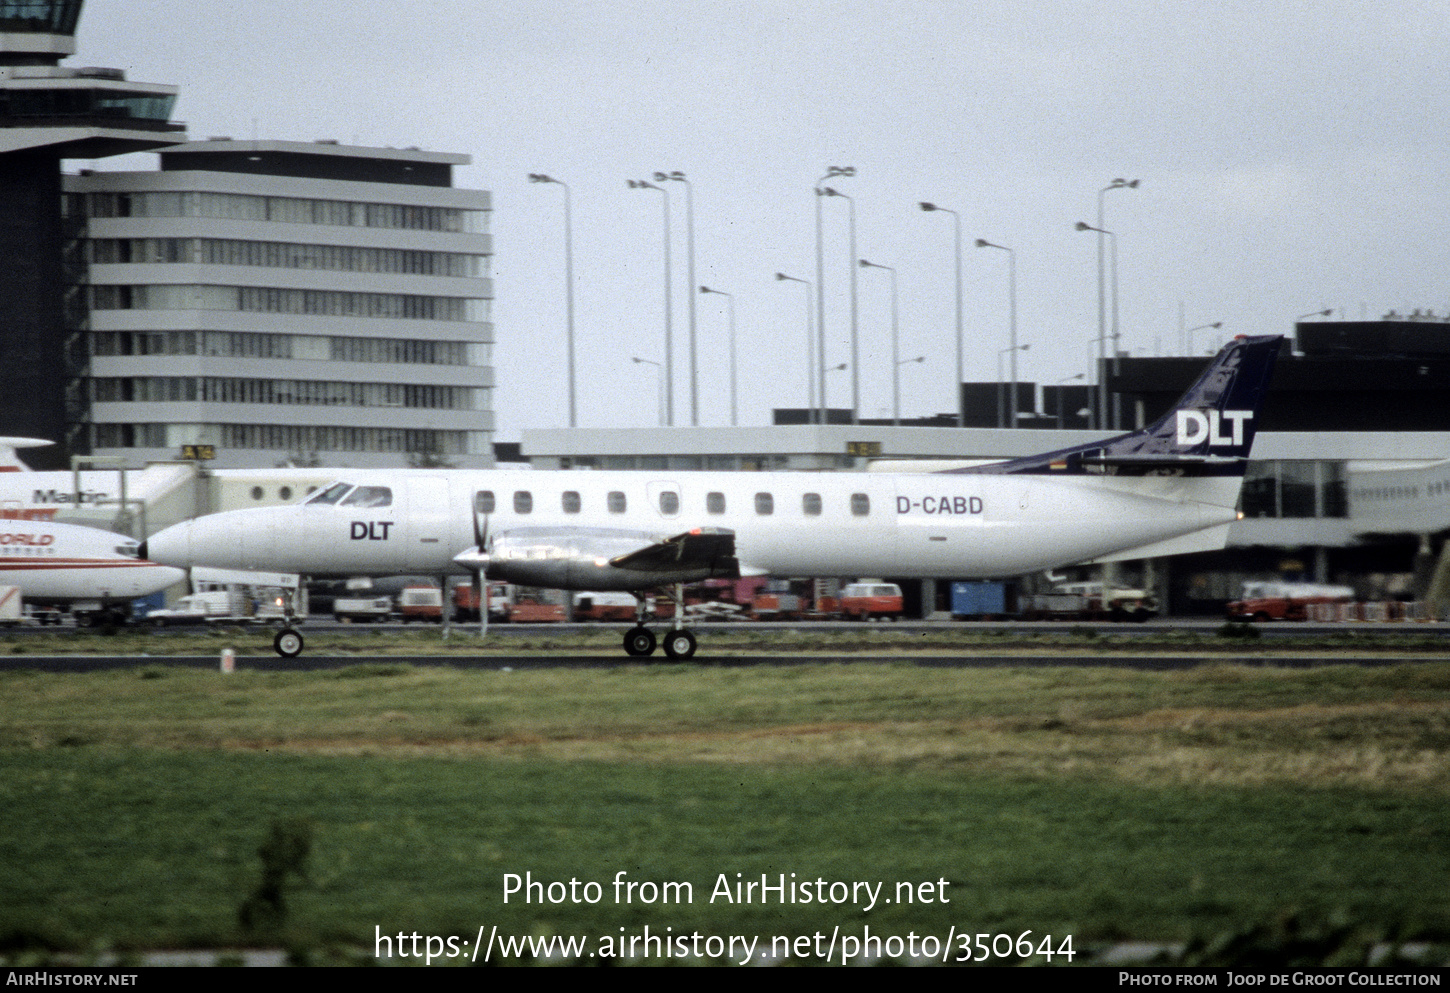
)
(1279, 601)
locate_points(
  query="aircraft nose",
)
(169, 546)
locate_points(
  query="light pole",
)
(679, 177)
(896, 410)
(1117, 184)
(831, 173)
(1001, 416)
(734, 422)
(957, 386)
(1102, 338)
(855, 338)
(538, 177)
(1189, 334)
(1012, 319)
(659, 388)
(895, 344)
(810, 347)
(1069, 379)
(669, 377)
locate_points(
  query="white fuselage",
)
(785, 523)
(53, 562)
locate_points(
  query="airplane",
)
(1169, 488)
(96, 573)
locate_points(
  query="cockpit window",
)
(130, 550)
(369, 496)
(332, 494)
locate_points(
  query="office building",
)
(262, 302)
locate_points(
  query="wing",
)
(707, 550)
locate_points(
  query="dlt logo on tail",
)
(1195, 426)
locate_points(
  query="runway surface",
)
(565, 660)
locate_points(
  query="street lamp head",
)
(1085, 226)
(929, 206)
(539, 177)
(641, 184)
(1122, 184)
(840, 170)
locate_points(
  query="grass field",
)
(1094, 802)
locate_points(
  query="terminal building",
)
(1346, 485)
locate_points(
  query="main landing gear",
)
(679, 643)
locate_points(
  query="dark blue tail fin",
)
(1209, 432)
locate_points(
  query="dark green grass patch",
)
(151, 849)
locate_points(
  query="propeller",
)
(476, 561)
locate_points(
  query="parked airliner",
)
(96, 573)
(1169, 488)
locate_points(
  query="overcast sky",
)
(1292, 157)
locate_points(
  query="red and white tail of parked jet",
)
(1169, 488)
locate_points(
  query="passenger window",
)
(616, 502)
(715, 503)
(571, 502)
(764, 503)
(523, 502)
(669, 503)
(860, 504)
(811, 504)
(369, 496)
(483, 502)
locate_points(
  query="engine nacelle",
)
(586, 559)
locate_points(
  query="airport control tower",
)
(49, 112)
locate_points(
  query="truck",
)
(372, 608)
(421, 603)
(200, 608)
(1277, 600)
(1088, 602)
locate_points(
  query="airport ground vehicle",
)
(378, 608)
(200, 608)
(1088, 602)
(870, 601)
(1272, 600)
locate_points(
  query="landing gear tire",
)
(679, 644)
(288, 643)
(639, 641)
